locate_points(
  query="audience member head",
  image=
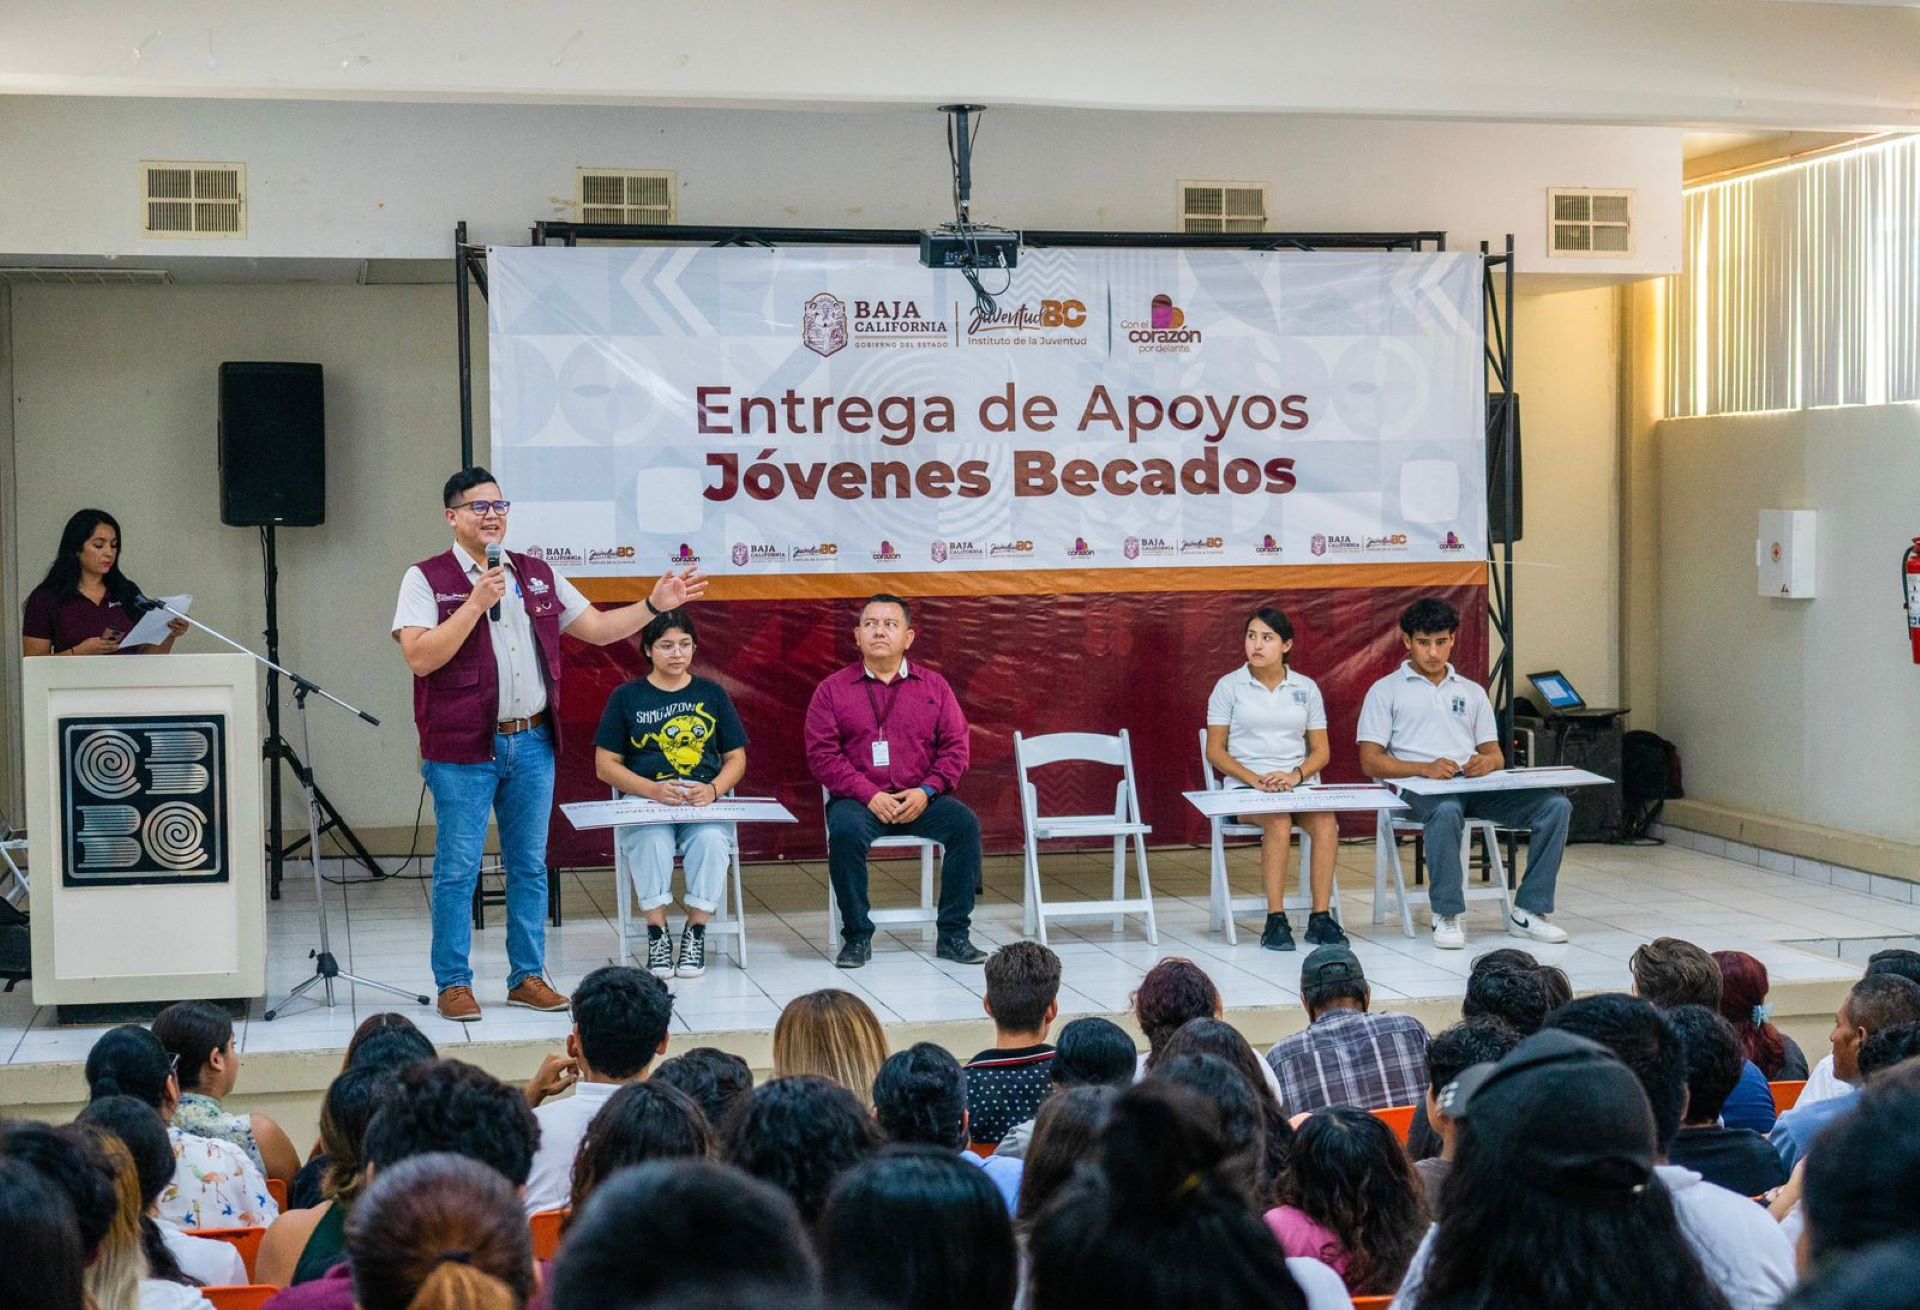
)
(640, 1122)
(1670, 972)
(1455, 1050)
(349, 1105)
(1023, 989)
(44, 1264)
(388, 1041)
(716, 1080)
(1877, 1001)
(1743, 1003)
(133, 1124)
(129, 1061)
(1863, 1185)
(1516, 995)
(1331, 979)
(1348, 1173)
(200, 1035)
(833, 1034)
(1093, 1052)
(445, 1105)
(70, 1160)
(1560, 1132)
(1553, 979)
(800, 1134)
(1896, 961)
(1883, 1277)
(440, 1232)
(1640, 1037)
(1065, 1135)
(920, 1096)
(1219, 1038)
(1714, 1062)
(1173, 991)
(918, 1228)
(1889, 1047)
(709, 1232)
(1242, 1125)
(1559, 986)
(620, 1020)
(120, 1265)
(1153, 1223)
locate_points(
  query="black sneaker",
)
(1278, 934)
(659, 952)
(960, 950)
(854, 952)
(693, 951)
(1324, 930)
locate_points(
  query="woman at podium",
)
(85, 605)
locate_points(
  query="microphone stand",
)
(326, 968)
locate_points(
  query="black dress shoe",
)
(960, 950)
(854, 952)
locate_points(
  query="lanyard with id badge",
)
(882, 752)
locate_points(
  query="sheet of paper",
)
(151, 630)
(1504, 780)
(630, 810)
(1227, 802)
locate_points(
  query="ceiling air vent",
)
(626, 195)
(193, 200)
(1588, 224)
(1223, 206)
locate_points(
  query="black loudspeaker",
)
(273, 446)
(1497, 407)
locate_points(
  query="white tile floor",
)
(1611, 900)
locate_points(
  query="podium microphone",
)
(493, 562)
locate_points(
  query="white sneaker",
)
(1535, 927)
(1448, 932)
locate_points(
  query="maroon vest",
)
(457, 706)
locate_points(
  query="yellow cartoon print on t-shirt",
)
(682, 739)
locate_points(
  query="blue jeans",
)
(1543, 813)
(517, 786)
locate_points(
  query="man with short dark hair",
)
(1007, 1081)
(1423, 720)
(1347, 1056)
(888, 742)
(448, 1105)
(1821, 1084)
(920, 1096)
(1738, 1159)
(1451, 1053)
(717, 1080)
(1670, 972)
(483, 644)
(1511, 993)
(620, 1020)
(1091, 1052)
(1877, 1001)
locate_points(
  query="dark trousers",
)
(851, 830)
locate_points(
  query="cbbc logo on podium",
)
(143, 800)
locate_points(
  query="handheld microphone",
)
(493, 562)
(145, 604)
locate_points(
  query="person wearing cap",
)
(1423, 720)
(1347, 1056)
(1555, 1203)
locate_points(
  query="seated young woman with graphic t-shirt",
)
(673, 738)
(1267, 729)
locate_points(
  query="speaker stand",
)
(277, 749)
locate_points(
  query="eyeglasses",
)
(486, 507)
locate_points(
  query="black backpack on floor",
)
(1649, 778)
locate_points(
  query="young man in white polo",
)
(1423, 720)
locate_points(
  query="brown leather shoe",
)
(534, 994)
(457, 1004)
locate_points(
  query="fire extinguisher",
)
(1910, 594)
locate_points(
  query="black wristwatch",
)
(648, 602)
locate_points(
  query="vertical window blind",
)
(1801, 287)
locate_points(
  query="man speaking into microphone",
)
(480, 628)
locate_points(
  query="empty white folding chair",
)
(1122, 825)
(721, 925)
(1224, 904)
(925, 914)
(1386, 860)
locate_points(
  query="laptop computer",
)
(1563, 700)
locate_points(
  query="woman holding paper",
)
(85, 605)
(673, 739)
(1267, 730)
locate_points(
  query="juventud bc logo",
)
(1053, 322)
(1164, 331)
(823, 324)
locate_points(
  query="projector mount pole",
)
(960, 127)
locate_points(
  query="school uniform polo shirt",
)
(1419, 722)
(1266, 730)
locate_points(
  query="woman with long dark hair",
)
(41, 1259)
(302, 1245)
(1267, 730)
(918, 1228)
(643, 1121)
(1349, 1199)
(84, 606)
(1743, 1003)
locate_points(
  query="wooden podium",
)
(143, 817)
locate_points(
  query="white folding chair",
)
(722, 924)
(925, 914)
(1030, 753)
(1224, 903)
(15, 886)
(1386, 857)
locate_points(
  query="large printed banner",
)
(842, 411)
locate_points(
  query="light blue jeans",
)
(704, 850)
(516, 786)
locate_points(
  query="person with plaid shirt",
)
(1348, 1056)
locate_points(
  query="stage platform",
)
(1811, 935)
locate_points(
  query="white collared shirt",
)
(562, 1124)
(1419, 722)
(515, 653)
(1266, 730)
